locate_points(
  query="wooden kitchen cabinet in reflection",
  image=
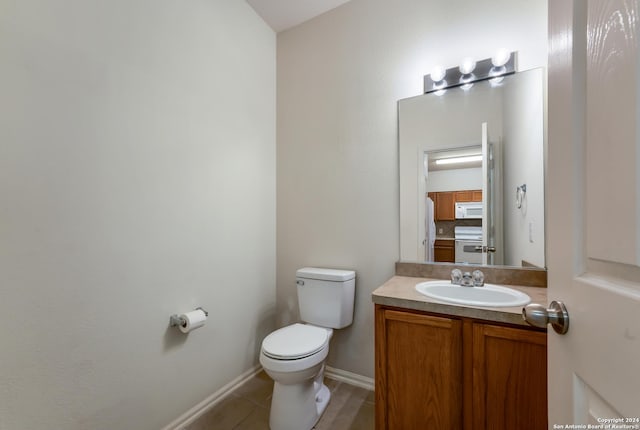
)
(444, 251)
(444, 202)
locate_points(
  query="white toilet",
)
(294, 355)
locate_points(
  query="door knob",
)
(539, 316)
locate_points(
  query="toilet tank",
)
(325, 296)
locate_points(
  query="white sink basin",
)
(490, 295)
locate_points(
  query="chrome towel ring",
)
(521, 191)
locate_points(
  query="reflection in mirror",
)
(472, 174)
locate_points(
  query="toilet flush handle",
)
(300, 282)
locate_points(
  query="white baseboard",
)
(349, 378)
(201, 408)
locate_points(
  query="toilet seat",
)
(295, 342)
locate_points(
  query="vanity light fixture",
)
(470, 71)
(454, 160)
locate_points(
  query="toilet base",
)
(322, 400)
(298, 406)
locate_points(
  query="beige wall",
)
(339, 79)
(131, 132)
(524, 164)
(456, 179)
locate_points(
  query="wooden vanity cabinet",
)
(509, 387)
(440, 372)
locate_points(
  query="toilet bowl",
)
(294, 356)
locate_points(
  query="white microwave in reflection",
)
(469, 210)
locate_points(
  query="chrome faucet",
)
(466, 279)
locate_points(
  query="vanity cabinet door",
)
(418, 371)
(509, 378)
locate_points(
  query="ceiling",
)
(284, 14)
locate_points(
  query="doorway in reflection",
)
(463, 223)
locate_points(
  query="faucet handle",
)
(456, 276)
(478, 278)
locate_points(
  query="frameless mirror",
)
(472, 173)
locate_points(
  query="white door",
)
(593, 194)
(486, 198)
(492, 244)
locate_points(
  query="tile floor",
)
(247, 408)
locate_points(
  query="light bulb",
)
(437, 74)
(467, 66)
(500, 58)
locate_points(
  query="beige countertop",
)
(400, 292)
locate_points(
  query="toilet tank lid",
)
(325, 274)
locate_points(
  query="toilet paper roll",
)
(192, 320)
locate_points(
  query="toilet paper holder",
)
(175, 320)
